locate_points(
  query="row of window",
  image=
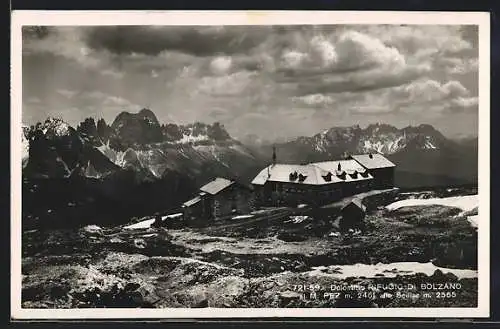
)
(280, 188)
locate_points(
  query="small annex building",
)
(219, 198)
(353, 215)
(379, 167)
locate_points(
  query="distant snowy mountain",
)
(419, 150)
(379, 138)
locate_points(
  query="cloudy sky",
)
(273, 81)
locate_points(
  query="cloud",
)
(323, 52)
(118, 101)
(357, 50)
(227, 85)
(431, 96)
(361, 81)
(33, 100)
(292, 59)
(424, 97)
(415, 40)
(246, 76)
(460, 66)
(66, 42)
(62, 41)
(198, 41)
(220, 65)
(104, 100)
(315, 100)
(349, 51)
(78, 105)
(349, 61)
(113, 73)
(465, 102)
(431, 90)
(66, 93)
(372, 109)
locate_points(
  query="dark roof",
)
(373, 161)
(357, 203)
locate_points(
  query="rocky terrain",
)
(270, 258)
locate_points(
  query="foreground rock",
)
(254, 263)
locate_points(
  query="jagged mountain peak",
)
(421, 129)
(144, 115)
(54, 127)
(147, 112)
(378, 137)
(341, 129)
(380, 128)
(137, 128)
(137, 145)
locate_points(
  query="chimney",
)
(339, 167)
(274, 155)
(370, 156)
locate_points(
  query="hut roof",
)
(217, 185)
(350, 167)
(373, 161)
(356, 203)
(291, 173)
(192, 202)
(313, 173)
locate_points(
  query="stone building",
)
(320, 183)
(219, 198)
(379, 167)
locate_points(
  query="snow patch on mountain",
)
(115, 156)
(56, 127)
(383, 144)
(428, 144)
(25, 147)
(240, 149)
(192, 139)
(217, 155)
(91, 172)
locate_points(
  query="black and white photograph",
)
(235, 163)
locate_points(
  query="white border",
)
(72, 18)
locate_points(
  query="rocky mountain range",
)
(135, 142)
(132, 167)
(424, 157)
